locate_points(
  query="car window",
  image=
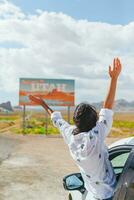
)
(119, 161)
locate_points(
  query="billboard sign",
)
(56, 92)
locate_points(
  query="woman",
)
(86, 140)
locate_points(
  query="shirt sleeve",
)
(105, 121)
(63, 126)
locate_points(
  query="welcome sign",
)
(56, 92)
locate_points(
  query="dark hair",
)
(85, 118)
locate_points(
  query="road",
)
(32, 167)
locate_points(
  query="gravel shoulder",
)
(32, 167)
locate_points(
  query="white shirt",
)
(90, 153)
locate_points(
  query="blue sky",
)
(110, 11)
(58, 44)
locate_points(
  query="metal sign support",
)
(24, 120)
(68, 114)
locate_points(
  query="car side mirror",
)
(74, 182)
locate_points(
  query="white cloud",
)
(55, 45)
(9, 10)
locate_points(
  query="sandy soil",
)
(32, 167)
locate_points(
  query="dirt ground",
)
(32, 167)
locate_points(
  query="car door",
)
(125, 185)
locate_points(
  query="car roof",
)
(124, 141)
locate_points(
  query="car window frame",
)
(115, 151)
(118, 150)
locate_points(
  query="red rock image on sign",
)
(56, 92)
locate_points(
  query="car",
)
(121, 155)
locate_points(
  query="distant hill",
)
(17, 108)
(6, 106)
(119, 105)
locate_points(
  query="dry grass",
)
(123, 124)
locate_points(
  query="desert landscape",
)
(33, 164)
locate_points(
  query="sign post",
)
(68, 112)
(24, 120)
(46, 124)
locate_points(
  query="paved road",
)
(32, 167)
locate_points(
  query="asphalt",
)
(32, 167)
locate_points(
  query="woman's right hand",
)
(41, 102)
(115, 70)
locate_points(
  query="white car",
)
(121, 154)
